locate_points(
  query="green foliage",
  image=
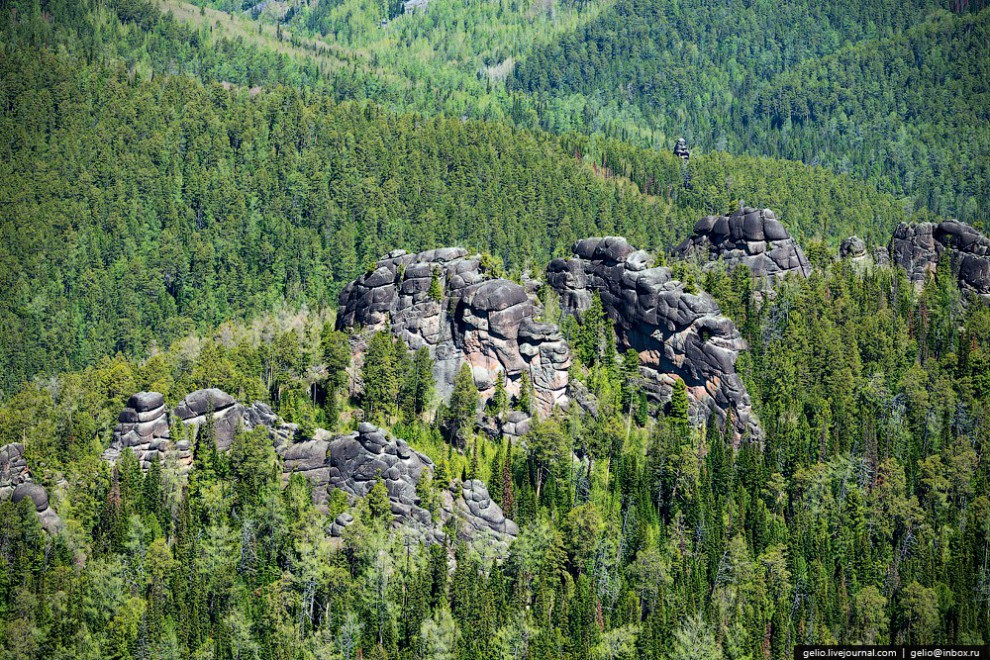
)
(378, 503)
(463, 407)
(435, 291)
(381, 374)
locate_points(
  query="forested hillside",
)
(797, 458)
(891, 92)
(142, 204)
(862, 518)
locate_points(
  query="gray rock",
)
(142, 427)
(681, 150)
(487, 322)
(17, 485)
(752, 237)
(353, 463)
(852, 248)
(919, 248)
(676, 333)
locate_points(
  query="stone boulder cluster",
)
(919, 248)
(751, 237)
(353, 463)
(677, 333)
(143, 426)
(490, 323)
(17, 485)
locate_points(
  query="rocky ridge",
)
(491, 323)
(677, 333)
(351, 463)
(354, 462)
(751, 237)
(17, 485)
(143, 426)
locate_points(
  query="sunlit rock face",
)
(352, 463)
(751, 237)
(919, 248)
(490, 323)
(677, 333)
(143, 426)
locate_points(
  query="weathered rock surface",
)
(354, 462)
(681, 150)
(489, 323)
(852, 248)
(143, 426)
(675, 332)
(918, 249)
(16, 484)
(752, 237)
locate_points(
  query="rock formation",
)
(354, 462)
(681, 150)
(750, 237)
(351, 463)
(488, 322)
(16, 484)
(143, 426)
(919, 248)
(676, 332)
(854, 250)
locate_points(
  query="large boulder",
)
(919, 248)
(751, 237)
(677, 333)
(17, 485)
(490, 323)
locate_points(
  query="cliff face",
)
(751, 237)
(488, 322)
(919, 248)
(143, 426)
(676, 332)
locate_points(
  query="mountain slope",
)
(736, 79)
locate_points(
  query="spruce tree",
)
(463, 406)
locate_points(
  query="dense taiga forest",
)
(252, 405)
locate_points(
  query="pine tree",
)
(679, 409)
(525, 394)
(379, 505)
(500, 399)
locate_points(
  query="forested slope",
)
(140, 204)
(891, 93)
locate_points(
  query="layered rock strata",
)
(751, 237)
(17, 485)
(677, 333)
(490, 323)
